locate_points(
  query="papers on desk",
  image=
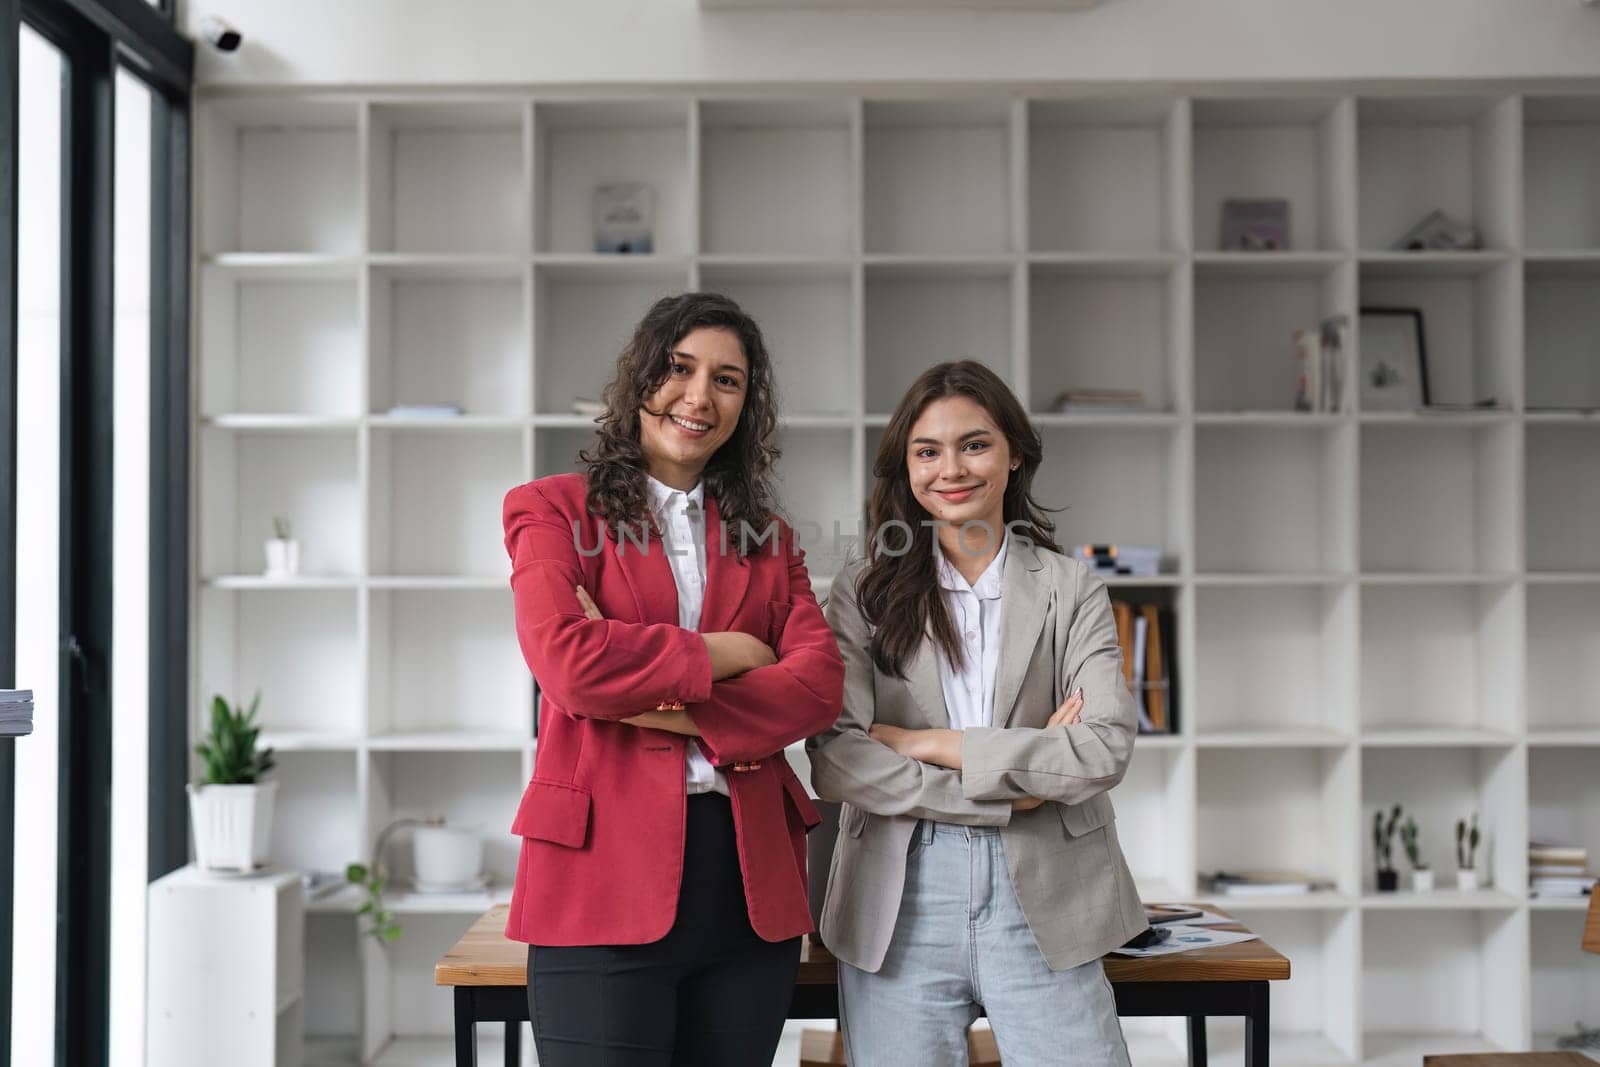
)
(1186, 937)
(16, 712)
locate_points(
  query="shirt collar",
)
(988, 585)
(663, 495)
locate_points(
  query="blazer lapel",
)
(727, 574)
(1024, 600)
(922, 678)
(649, 575)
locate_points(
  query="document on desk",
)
(1187, 938)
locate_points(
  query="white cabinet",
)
(226, 970)
(1371, 606)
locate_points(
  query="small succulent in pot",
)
(1383, 848)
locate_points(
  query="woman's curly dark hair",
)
(739, 474)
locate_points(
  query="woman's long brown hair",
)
(739, 474)
(898, 591)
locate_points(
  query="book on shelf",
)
(1113, 560)
(1579, 885)
(1264, 882)
(1098, 401)
(424, 411)
(16, 712)
(1557, 853)
(1146, 635)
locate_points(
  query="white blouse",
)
(681, 518)
(975, 613)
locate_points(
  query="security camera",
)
(220, 35)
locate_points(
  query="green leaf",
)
(356, 872)
(391, 933)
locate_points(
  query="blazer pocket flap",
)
(553, 811)
(852, 820)
(1092, 814)
(777, 614)
(802, 802)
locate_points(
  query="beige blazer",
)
(1056, 633)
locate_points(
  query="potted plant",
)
(283, 551)
(1421, 873)
(231, 808)
(1466, 853)
(1383, 847)
(372, 878)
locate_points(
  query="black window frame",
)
(97, 38)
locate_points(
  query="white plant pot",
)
(232, 825)
(1466, 878)
(1422, 881)
(447, 856)
(283, 558)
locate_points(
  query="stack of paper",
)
(1264, 883)
(1559, 869)
(16, 712)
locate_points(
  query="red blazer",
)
(602, 820)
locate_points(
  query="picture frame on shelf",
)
(1255, 225)
(1394, 359)
(624, 218)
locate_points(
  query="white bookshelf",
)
(1372, 607)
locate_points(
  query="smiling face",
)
(959, 464)
(696, 408)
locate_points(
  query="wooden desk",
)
(490, 978)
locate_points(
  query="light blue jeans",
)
(961, 942)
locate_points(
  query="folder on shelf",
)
(1155, 674)
(1122, 615)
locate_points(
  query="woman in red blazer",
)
(667, 615)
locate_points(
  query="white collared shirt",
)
(681, 519)
(975, 613)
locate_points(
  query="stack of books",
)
(1264, 883)
(1138, 561)
(16, 712)
(1559, 869)
(1098, 401)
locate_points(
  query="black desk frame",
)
(1195, 1001)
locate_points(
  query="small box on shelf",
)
(581, 145)
(1294, 150)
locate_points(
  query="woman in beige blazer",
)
(985, 718)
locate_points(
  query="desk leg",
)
(513, 1044)
(466, 1028)
(1256, 1026)
(1197, 1041)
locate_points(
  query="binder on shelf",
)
(1145, 634)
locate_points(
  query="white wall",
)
(378, 42)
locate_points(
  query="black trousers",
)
(710, 994)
